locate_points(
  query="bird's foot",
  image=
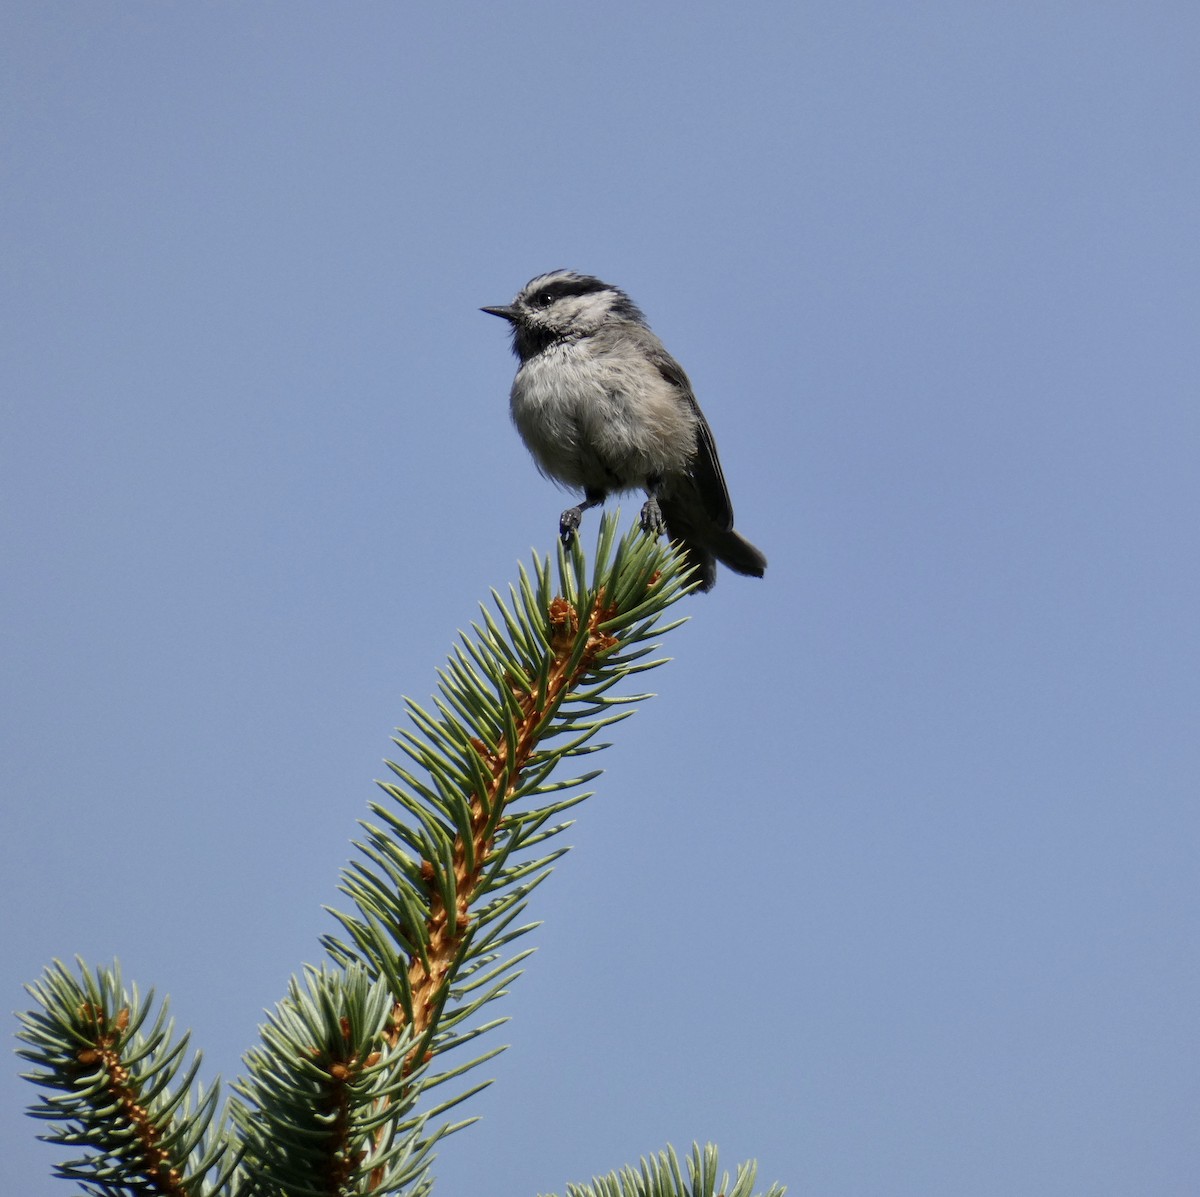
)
(652, 517)
(568, 523)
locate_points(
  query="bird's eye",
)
(544, 300)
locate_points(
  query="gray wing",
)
(706, 467)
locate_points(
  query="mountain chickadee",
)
(602, 406)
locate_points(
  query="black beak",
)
(505, 313)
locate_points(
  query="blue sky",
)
(893, 886)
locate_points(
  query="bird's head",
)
(561, 306)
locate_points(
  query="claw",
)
(652, 517)
(568, 523)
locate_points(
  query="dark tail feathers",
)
(704, 546)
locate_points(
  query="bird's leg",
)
(652, 516)
(568, 522)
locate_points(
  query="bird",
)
(603, 408)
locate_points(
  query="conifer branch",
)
(444, 872)
(117, 1089)
(336, 1098)
(661, 1176)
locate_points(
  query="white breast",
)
(606, 422)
